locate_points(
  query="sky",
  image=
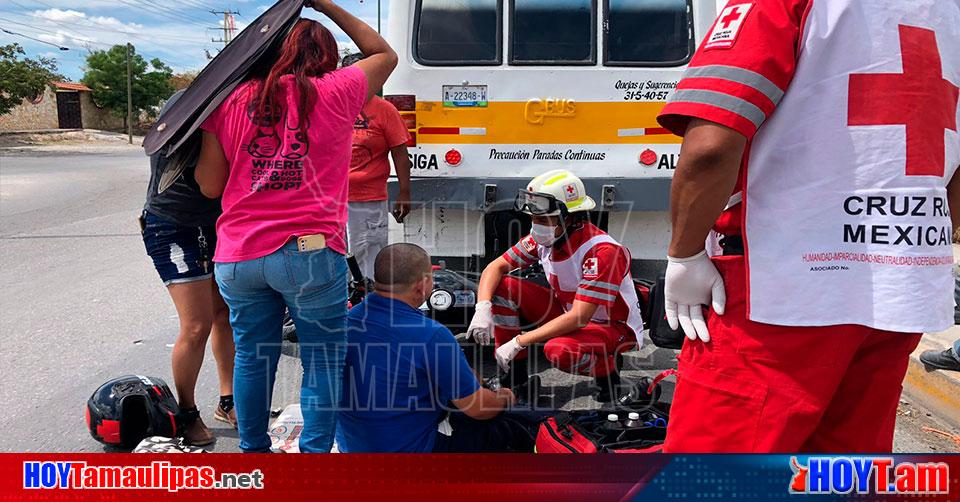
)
(178, 32)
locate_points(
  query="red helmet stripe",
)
(109, 430)
(173, 423)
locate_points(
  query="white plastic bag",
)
(285, 431)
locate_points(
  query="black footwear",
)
(608, 387)
(944, 360)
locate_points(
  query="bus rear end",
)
(495, 92)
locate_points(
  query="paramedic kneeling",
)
(834, 124)
(403, 369)
(589, 313)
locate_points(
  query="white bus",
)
(495, 92)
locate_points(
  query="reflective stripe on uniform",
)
(734, 200)
(526, 253)
(593, 294)
(514, 256)
(743, 76)
(507, 321)
(503, 302)
(584, 361)
(721, 100)
(600, 284)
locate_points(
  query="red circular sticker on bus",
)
(648, 157)
(453, 158)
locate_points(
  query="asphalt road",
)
(80, 303)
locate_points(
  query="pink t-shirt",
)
(283, 183)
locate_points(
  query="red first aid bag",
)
(653, 449)
(587, 432)
(562, 434)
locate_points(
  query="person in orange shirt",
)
(378, 131)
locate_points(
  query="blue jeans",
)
(313, 286)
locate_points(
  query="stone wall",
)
(30, 116)
(95, 117)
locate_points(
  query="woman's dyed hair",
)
(309, 51)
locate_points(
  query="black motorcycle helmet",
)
(125, 410)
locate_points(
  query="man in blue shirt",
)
(407, 386)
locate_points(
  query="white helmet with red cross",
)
(546, 193)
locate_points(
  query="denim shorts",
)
(180, 254)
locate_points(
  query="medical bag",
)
(594, 431)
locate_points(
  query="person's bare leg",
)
(194, 303)
(221, 341)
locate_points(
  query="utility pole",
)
(129, 96)
(229, 25)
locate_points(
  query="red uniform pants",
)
(590, 350)
(762, 388)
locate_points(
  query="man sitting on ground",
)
(403, 369)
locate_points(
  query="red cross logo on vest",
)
(919, 98)
(731, 17)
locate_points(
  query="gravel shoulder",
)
(73, 142)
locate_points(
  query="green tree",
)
(106, 74)
(23, 78)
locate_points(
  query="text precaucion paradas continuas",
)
(538, 154)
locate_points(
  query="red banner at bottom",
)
(505, 477)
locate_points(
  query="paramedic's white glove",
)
(508, 351)
(481, 326)
(690, 283)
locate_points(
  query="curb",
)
(51, 132)
(41, 131)
(934, 389)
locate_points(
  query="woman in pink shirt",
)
(278, 150)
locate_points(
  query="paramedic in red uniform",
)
(587, 316)
(834, 125)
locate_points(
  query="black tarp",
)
(176, 135)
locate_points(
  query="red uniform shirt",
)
(599, 274)
(739, 74)
(850, 109)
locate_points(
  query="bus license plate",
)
(461, 96)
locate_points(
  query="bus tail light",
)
(453, 157)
